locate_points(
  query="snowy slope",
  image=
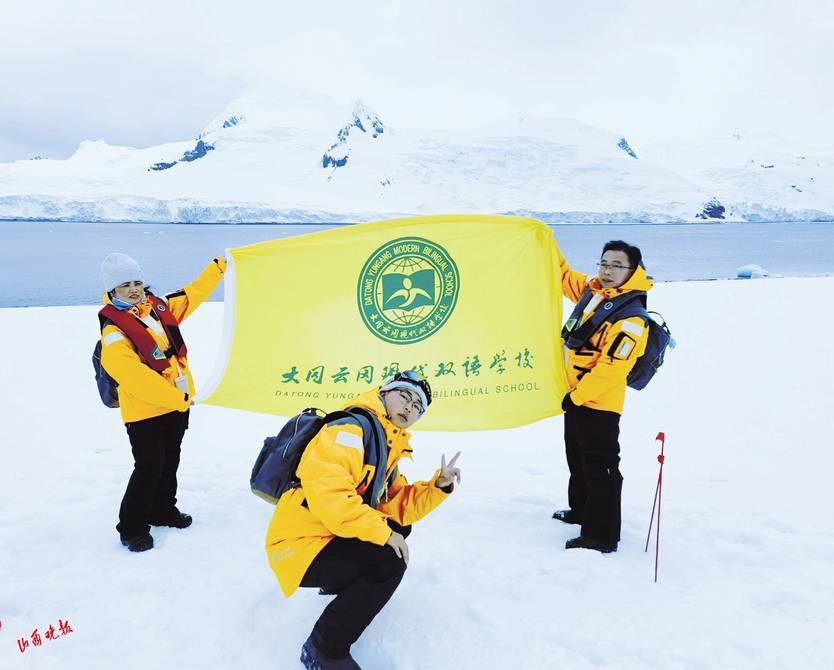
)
(747, 556)
(289, 157)
(758, 176)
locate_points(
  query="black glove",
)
(567, 403)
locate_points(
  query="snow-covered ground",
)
(747, 535)
(288, 159)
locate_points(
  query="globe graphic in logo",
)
(407, 290)
(408, 303)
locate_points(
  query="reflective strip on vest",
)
(632, 328)
(110, 338)
(153, 325)
(351, 440)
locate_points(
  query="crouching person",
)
(343, 529)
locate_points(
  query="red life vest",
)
(137, 332)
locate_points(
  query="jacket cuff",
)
(446, 489)
(381, 536)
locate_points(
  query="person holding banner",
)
(143, 351)
(324, 534)
(597, 370)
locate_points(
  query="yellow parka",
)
(143, 392)
(598, 370)
(329, 502)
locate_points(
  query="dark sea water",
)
(49, 263)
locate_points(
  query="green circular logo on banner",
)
(407, 290)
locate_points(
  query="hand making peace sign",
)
(448, 472)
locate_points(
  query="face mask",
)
(120, 304)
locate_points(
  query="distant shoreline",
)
(36, 252)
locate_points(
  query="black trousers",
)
(595, 485)
(151, 493)
(364, 576)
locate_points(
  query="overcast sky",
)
(144, 73)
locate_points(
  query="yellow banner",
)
(474, 302)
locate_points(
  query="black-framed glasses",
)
(616, 267)
(414, 377)
(411, 401)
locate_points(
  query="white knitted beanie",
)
(120, 268)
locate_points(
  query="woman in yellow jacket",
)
(597, 376)
(324, 535)
(154, 401)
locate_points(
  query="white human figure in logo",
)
(409, 292)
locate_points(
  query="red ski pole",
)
(658, 495)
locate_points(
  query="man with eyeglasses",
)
(597, 370)
(323, 534)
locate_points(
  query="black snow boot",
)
(179, 520)
(583, 542)
(139, 543)
(314, 659)
(567, 516)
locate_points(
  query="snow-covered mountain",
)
(306, 158)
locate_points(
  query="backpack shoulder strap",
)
(375, 444)
(338, 415)
(367, 423)
(630, 309)
(609, 311)
(376, 451)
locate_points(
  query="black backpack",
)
(274, 470)
(108, 388)
(618, 308)
(660, 337)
